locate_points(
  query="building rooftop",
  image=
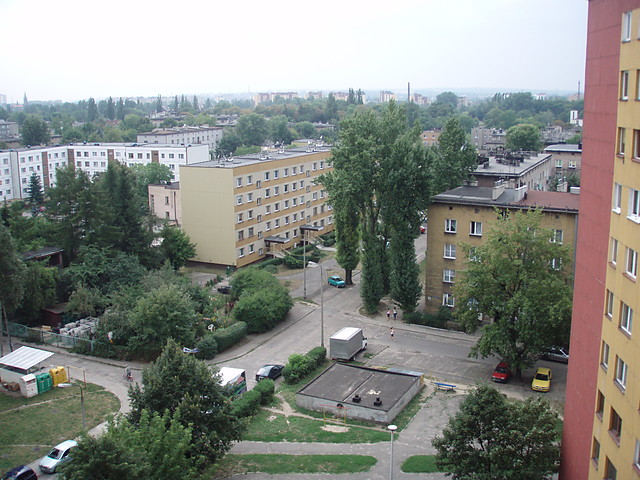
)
(258, 158)
(108, 145)
(564, 147)
(514, 165)
(555, 200)
(185, 129)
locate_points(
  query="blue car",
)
(336, 281)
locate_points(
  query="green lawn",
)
(420, 464)
(31, 426)
(275, 464)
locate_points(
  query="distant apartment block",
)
(247, 208)
(464, 216)
(420, 99)
(259, 98)
(3, 99)
(566, 159)
(344, 96)
(488, 138)
(314, 96)
(430, 137)
(165, 202)
(9, 129)
(17, 166)
(387, 96)
(515, 169)
(183, 136)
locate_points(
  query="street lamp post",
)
(314, 265)
(66, 385)
(305, 237)
(392, 428)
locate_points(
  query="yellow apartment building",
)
(244, 209)
(464, 215)
(616, 423)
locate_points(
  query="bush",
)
(264, 309)
(266, 389)
(439, 320)
(226, 337)
(247, 404)
(293, 262)
(300, 366)
(317, 356)
(273, 262)
(207, 346)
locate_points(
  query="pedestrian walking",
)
(388, 313)
(391, 332)
(395, 313)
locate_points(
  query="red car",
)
(502, 373)
(423, 229)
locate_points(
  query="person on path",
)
(388, 313)
(395, 313)
(391, 332)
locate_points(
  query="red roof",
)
(568, 201)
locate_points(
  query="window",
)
(448, 276)
(610, 471)
(260, 251)
(267, 209)
(277, 223)
(626, 317)
(615, 426)
(267, 192)
(258, 184)
(621, 144)
(636, 139)
(250, 214)
(276, 207)
(240, 252)
(626, 26)
(621, 373)
(276, 174)
(286, 204)
(239, 218)
(558, 163)
(634, 205)
(448, 300)
(476, 229)
(450, 226)
(609, 306)
(558, 236)
(595, 452)
(266, 176)
(249, 197)
(286, 172)
(315, 196)
(239, 182)
(294, 170)
(250, 232)
(604, 356)
(249, 179)
(251, 248)
(624, 85)
(286, 188)
(239, 200)
(632, 262)
(449, 251)
(259, 235)
(166, 200)
(600, 405)
(614, 251)
(268, 226)
(240, 234)
(636, 455)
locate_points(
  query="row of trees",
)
(382, 180)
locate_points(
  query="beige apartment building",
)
(248, 208)
(464, 215)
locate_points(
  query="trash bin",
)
(28, 385)
(44, 381)
(59, 375)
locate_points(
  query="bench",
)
(445, 386)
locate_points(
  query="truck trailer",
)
(346, 343)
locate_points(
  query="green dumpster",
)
(44, 381)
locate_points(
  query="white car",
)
(56, 456)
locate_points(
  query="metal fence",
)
(38, 335)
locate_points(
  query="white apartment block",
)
(183, 136)
(17, 165)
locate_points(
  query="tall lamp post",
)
(67, 385)
(392, 429)
(304, 229)
(314, 265)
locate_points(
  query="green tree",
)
(120, 111)
(252, 129)
(279, 130)
(156, 447)
(331, 108)
(306, 130)
(36, 195)
(494, 439)
(176, 246)
(34, 131)
(162, 314)
(455, 157)
(87, 302)
(111, 109)
(524, 137)
(40, 291)
(196, 108)
(449, 98)
(228, 144)
(12, 275)
(159, 104)
(178, 382)
(92, 110)
(519, 278)
(150, 174)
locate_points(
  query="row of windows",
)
(623, 141)
(630, 260)
(626, 27)
(275, 174)
(286, 188)
(249, 215)
(633, 204)
(451, 226)
(572, 163)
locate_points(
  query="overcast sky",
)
(76, 49)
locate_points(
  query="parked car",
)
(423, 229)
(57, 456)
(541, 380)
(336, 281)
(224, 289)
(502, 373)
(23, 472)
(557, 354)
(269, 371)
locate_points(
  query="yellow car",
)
(541, 380)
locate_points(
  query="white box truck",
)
(346, 343)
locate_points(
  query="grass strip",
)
(420, 464)
(279, 464)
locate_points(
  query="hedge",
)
(266, 388)
(301, 365)
(247, 404)
(207, 347)
(226, 337)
